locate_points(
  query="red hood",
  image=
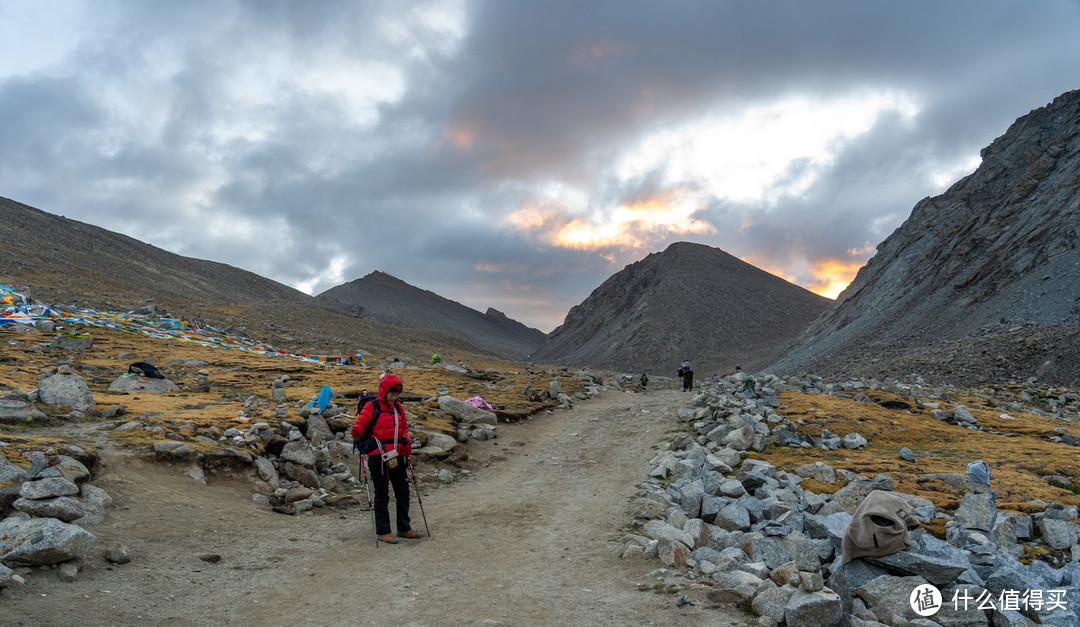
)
(388, 381)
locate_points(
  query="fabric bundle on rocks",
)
(879, 527)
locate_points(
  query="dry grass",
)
(1019, 451)
(236, 375)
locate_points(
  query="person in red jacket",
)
(388, 460)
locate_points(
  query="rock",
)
(42, 541)
(936, 570)
(977, 511)
(171, 449)
(10, 472)
(95, 500)
(469, 414)
(299, 452)
(67, 572)
(440, 441)
(1059, 534)
(118, 554)
(906, 454)
(813, 609)
(818, 471)
(63, 508)
(139, 383)
(12, 410)
(771, 602)
(67, 390)
(48, 488)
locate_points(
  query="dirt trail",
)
(523, 541)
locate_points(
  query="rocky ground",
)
(529, 538)
(540, 522)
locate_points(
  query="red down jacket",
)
(384, 426)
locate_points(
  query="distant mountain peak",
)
(691, 301)
(385, 298)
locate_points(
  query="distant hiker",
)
(687, 376)
(436, 358)
(389, 449)
(145, 369)
(644, 382)
(750, 387)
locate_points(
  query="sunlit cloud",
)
(764, 152)
(826, 276)
(634, 225)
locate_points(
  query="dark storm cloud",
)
(286, 138)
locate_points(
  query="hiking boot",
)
(411, 534)
(388, 538)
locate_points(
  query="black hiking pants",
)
(382, 476)
(688, 380)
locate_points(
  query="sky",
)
(513, 153)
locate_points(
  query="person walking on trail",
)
(687, 375)
(388, 458)
(644, 382)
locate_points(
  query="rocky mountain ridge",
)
(391, 301)
(980, 283)
(690, 302)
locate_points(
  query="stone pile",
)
(54, 498)
(758, 536)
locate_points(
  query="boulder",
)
(42, 541)
(468, 413)
(138, 383)
(66, 390)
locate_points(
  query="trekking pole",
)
(412, 471)
(371, 508)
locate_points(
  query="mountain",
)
(389, 300)
(979, 284)
(66, 262)
(690, 302)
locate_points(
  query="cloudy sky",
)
(513, 154)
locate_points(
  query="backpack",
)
(879, 527)
(365, 443)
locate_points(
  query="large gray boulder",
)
(66, 390)
(468, 413)
(62, 508)
(42, 541)
(139, 383)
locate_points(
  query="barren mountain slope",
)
(691, 302)
(66, 262)
(387, 299)
(980, 283)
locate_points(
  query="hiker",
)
(388, 457)
(436, 358)
(644, 382)
(687, 375)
